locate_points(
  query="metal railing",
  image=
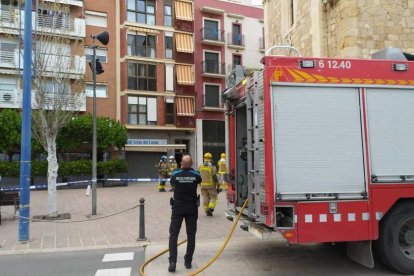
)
(212, 34)
(235, 39)
(52, 19)
(213, 67)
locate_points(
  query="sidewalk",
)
(116, 231)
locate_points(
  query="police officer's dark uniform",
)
(184, 206)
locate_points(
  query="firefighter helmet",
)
(207, 156)
(171, 157)
(163, 158)
(223, 155)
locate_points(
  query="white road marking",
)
(128, 256)
(123, 271)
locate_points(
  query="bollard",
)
(141, 233)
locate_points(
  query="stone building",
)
(340, 28)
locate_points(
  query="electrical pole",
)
(26, 140)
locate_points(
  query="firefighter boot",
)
(209, 212)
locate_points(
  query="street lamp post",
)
(102, 37)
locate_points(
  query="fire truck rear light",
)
(400, 67)
(307, 63)
(288, 235)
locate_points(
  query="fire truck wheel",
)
(395, 246)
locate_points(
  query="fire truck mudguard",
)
(323, 150)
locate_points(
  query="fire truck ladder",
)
(253, 169)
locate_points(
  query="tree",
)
(10, 129)
(57, 83)
(111, 134)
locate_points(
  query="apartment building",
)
(102, 16)
(340, 28)
(157, 83)
(61, 19)
(227, 33)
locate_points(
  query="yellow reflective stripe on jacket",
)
(222, 166)
(206, 176)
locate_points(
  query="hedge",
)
(66, 168)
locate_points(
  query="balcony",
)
(211, 36)
(235, 41)
(13, 99)
(78, 3)
(74, 66)
(58, 24)
(213, 69)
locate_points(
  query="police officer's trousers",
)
(189, 212)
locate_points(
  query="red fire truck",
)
(323, 149)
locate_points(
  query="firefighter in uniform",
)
(171, 168)
(209, 184)
(162, 173)
(222, 170)
(184, 205)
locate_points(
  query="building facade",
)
(227, 33)
(62, 21)
(340, 28)
(157, 92)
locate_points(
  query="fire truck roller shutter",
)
(317, 141)
(391, 131)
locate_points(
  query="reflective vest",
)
(163, 168)
(173, 166)
(222, 168)
(207, 172)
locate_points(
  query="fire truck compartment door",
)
(318, 142)
(391, 132)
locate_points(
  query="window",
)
(141, 45)
(169, 111)
(141, 11)
(98, 19)
(53, 87)
(236, 37)
(237, 60)
(101, 54)
(211, 30)
(212, 95)
(168, 45)
(167, 13)
(142, 76)
(211, 63)
(54, 19)
(7, 50)
(101, 90)
(142, 110)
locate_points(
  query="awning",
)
(185, 74)
(154, 148)
(142, 30)
(185, 106)
(184, 10)
(184, 43)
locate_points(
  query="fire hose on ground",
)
(212, 260)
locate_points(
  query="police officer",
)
(184, 205)
(162, 172)
(209, 184)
